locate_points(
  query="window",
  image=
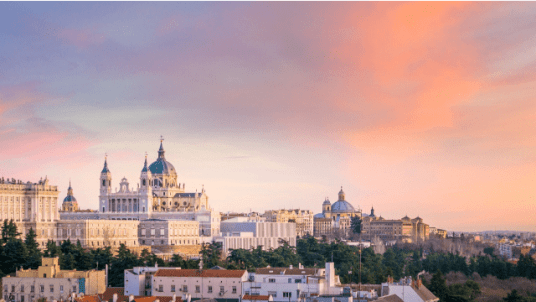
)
(209, 290)
(51, 288)
(172, 288)
(289, 280)
(5, 289)
(162, 232)
(22, 288)
(197, 289)
(61, 288)
(143, 232)
(42, 288)
(271, 280)
(74, 288)
(274, 294)
(160, 288)
(22, 298)
(185, 288)
(297, 280)
(32, 288)
(287, 295)
(222, 289)
(234, 289)
(152, 232)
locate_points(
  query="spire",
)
(105, 169)
(161, 150)
(145, 165)
(70, 189)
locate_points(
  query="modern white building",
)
(294, 283)
(219, 284)
(244, 233)
(139, 280)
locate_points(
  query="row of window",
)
(272, 280)
(32, 288)
(184, 289)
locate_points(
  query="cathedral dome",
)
(69, 198)
(161, 166)
(342, 206)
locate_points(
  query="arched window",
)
(143, 181)
(103, 183)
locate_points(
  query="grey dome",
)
(320, 215)
(69, 198)
(161, 166)
(342, 206)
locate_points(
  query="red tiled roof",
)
(198, 273)
(87, 299)
(108, 294)
(285, 271)
(255, 297)
(153, 298)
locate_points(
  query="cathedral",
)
(158, 195)
(336, 217)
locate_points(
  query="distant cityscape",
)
(159, 217)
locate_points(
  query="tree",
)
(211, 254)
(513, 296)
(34, 253)
(438, 285)
(355, 225)
(9, 230)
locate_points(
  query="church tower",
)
(146, 191)
(105, 179)
(105, 186)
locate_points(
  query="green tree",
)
(513, 296)
(34, 253)
(438, 285)
(355, 225)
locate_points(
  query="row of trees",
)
(395, 261)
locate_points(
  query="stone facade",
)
(405, 228)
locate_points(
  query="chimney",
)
(130, 298)
(300, 266)
(419, 283)
(157, 300)
(115, 298)
(330, 274)
(290, 266)
(73, 295)
(174, 298)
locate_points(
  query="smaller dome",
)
(69, 198)
(326, 202)
(319, 215)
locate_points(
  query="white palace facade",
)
(158, 212)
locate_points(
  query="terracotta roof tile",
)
(197, 273)
(256, 297)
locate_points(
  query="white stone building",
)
(302, 218)
(294, 283)
(219, 284)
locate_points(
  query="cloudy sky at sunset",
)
(424, 109)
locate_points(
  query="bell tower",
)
(105, 186)
(105, 178)
(146, 190)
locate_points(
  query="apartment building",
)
(49, 281)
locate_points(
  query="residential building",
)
(219, 284)
(408, 290)
(294, 283)
(49, 281)
(303, 219)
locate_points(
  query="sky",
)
(415, 108)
